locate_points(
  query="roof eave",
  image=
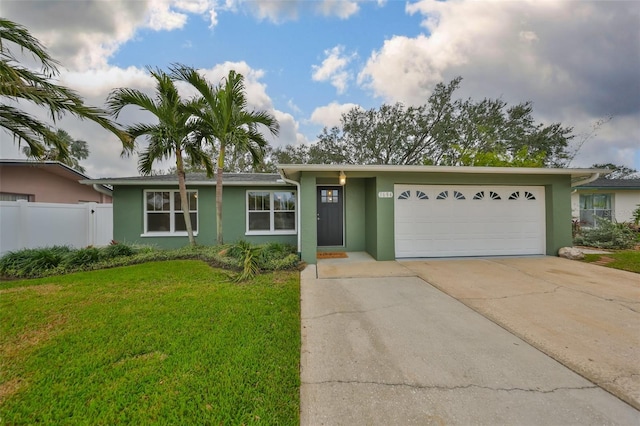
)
(293, 171)
(116, 182)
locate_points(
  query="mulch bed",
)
(331, 255)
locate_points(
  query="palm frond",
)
(16, 33)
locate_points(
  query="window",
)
(7, 196)
(271, 212)
(164, 212)
(329, 196)
(595, 205)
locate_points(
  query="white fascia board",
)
(292, 171)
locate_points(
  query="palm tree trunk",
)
(219, 172)
(184, 201)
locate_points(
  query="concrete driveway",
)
(383, 346)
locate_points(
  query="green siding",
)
(374, 216)
(308, 219)
(369, 220)
(371, 217)
(128, 217)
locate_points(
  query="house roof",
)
(201, 179)
(293, 171)
(622, 184)
(56, 168)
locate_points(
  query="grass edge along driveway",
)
(626, 260)
(170, 342)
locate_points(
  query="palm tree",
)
(174, 134)
(226, 122)
(76, 150)
(20, 84)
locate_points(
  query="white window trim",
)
(171, 212)
(611, 210)
(271, 213)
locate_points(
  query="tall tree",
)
(18, 84)
(225, 122)
(618, 172)
(77, 150)
(175, 134)
(444, 131)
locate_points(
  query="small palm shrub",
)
(607, 235)
(251, 259)
(248, 256)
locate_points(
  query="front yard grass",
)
(628, 260)
(164, 342)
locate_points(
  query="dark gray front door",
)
(330, 215)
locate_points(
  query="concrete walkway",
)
(393, 349)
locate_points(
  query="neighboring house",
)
(613, 199)
(388, 211)
(47, 182)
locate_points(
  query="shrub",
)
(278, 256)
(81, 257)
(607, 235)
(636, 215)
(115, 250)
(27, 263)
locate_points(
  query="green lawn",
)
(163, 342)
(628, 260)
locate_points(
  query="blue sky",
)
(309, 61)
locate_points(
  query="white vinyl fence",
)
(31, 225)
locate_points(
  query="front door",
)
(330, 215)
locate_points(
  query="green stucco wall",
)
(366, 213)
(128, 217)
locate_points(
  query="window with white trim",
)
(163, 212)
(593, 206)
(272, 212)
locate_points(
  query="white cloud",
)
(341, 8)
(289, 131)
(84, 35)
(329, 115)
(279, 11)
(576, 62)
(333, 68)
(162, 17)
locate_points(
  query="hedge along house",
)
(388, 211)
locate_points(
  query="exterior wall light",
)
(343, 178)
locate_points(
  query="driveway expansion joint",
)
(351, 312)
(512, 295)
(450, 388)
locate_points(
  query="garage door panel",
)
(459, 225)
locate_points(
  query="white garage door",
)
(466, 220)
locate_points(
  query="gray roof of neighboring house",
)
(602, 183)
(231, 179)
